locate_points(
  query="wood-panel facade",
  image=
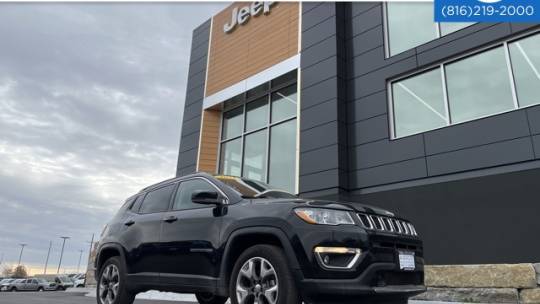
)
(262, 42)
(209, 141)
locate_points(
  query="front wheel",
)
(208, 298)
(111, 288)
(40, 289)
(262, 275)
(14, 289)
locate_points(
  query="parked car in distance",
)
(62, 282)
(226, 236)
(80, 281)
(5, 283)
(16, 285)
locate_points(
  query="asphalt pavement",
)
(58, 297)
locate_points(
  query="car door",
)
(190, 238)
(32, 284)
(141, 234)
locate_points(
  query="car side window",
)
(137, 204)
(34, 281)
(157, 200)
(186, 189)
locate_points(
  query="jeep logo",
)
(242, 15)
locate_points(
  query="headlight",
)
(324, 216)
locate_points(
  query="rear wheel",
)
(208, 298)
(40, 289)
(261, 275)
(111, 288)
(14, 289)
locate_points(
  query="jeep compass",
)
(222, 237)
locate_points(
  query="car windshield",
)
(18, 281)
(250, 188)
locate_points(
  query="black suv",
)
(225, 236)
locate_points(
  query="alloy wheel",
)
(257, 282)
(109, 284)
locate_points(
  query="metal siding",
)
(390, 173)
(385, 152)
(319, 160)
(320, 114)
(490, 155)
(533, 114)
(368, 130)
(319, 137)
(367, 107)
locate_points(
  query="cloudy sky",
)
(91, 99)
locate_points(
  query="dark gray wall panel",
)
(320, 136)
(397, 172)
(320, 51)
(319, 160)
(376, 81)
(384, 152)
(368, 130)
(321, 180)
(320, 92)
(533, 114)
(197, 66)
(367, 107)
(320, 114)
(484, 131)
(475, 40)
(189, 142)
(358, 7)
(197, 81)
(319, 32)
(318, 15)
(367, 20)
(191, 126)
(520, 27)
(453, 36)
(186, 158)
(536, 145)
(307, 6)
(366, 41)
(186, 170)
(467, 215)
(192, 111)
(480, 157)
(318, 72)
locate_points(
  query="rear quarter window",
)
(157, 200)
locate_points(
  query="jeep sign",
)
(242, 15)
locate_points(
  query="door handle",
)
(170, 219)
(129, 223)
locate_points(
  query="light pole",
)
(62, 252)
(80, 257)
(2, 259)
(20, 254)
(47, 260)
(89, 257)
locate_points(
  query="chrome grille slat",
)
(386, 224)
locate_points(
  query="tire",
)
(14, 289)
(208, 298)
(276, 285)
(40, 289)
(111, 287)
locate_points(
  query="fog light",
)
(337, 257)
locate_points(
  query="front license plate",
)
(406, 261)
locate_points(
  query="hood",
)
(349, 206)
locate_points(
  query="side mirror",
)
(206, 198)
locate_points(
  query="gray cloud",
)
(90, 110)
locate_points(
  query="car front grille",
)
(386, 224)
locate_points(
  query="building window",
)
(410, 24)
(500, 79)
(259, 133)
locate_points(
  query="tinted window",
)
(137, 204)
(186, 189)
(34, 281)
(157, 200)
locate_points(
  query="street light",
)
(62, 252)
(20, 255)
(47, 260)
(80, 257)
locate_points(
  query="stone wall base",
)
(497, 284)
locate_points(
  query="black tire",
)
(40, 289)
(123, 296)
(287, 292)
(14, 289)
(208, 298)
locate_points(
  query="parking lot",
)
(60, 298)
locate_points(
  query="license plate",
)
(406, 261)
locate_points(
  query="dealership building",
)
(376, 103)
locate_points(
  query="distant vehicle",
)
(16, 285)
(5, 283)
(80, 280)
(62, 282)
